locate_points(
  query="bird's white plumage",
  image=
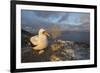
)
(39, 40)
(34, 40)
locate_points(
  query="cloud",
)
(66, 20)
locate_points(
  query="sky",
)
(66, 20)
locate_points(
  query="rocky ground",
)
(58, 50)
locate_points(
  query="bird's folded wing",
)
(34, 40)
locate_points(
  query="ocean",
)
(81, 36)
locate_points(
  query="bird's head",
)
(43, 32)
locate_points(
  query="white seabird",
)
(40, 41)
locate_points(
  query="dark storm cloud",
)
(66, 20)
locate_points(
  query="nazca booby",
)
(40, 41)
